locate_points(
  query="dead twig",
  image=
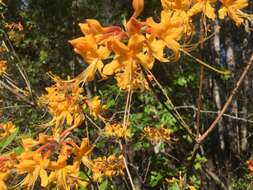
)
(215, 112)
(229, 100)
(16, 93)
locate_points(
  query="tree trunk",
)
(217, 90)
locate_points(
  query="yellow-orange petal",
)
(44, 178)
(138, 6)
(133, 26)
(109, 69)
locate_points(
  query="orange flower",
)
(116, 130)
(66, 103)
(126, 64)
(95, 106)
(3, 66)
(170, 30)
(14, 26)
(34, 166)
(7, 163)
(250, 165)
(232, 9)
(3, 177)
(157, 134)
(92, 53)
(83, 152)
(204, 6)
(182, 5)
(108, 167)
(7, 129)
(65, 176)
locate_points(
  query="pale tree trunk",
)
(246, 89)
(243, 127)
(232, 126)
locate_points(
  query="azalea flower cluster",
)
(53, 162)
(117, 130)
(157, 134)
(66, 103)
(111, 166)
(123, 52)
(14, 26)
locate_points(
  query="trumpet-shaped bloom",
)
(182, 5)
(108, 167)
(92, 53)
(180, 8)
(34, 166)
(126, 64)
(66, 102)
(65, 176)
(83, 152)
(204, 6)
(170, 30)
(100, 33)
(7, 129)
(232, 8)
(93, 46)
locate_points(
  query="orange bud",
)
(250, 165)
(138, 6)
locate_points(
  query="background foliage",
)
(42, 46)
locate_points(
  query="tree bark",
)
(217, 90)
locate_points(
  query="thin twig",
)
(170, 109)
(216, 179)
(90, 179)
(215, 112)
(17, 106)
(229, 100)
(20, 68)
(205, 64)
(147, 170)
(22, 97)
(126, 166)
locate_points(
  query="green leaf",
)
(155, 178)
(82, 188)
(181, 81)
(103, 185)
(175, 186)
(8, 140)
(110, 103)
(198, 166)
(18, 150)
(142, 145)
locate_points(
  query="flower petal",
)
(138, 6)
(43, 178)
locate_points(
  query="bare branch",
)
(229, 100)
(215, 112)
